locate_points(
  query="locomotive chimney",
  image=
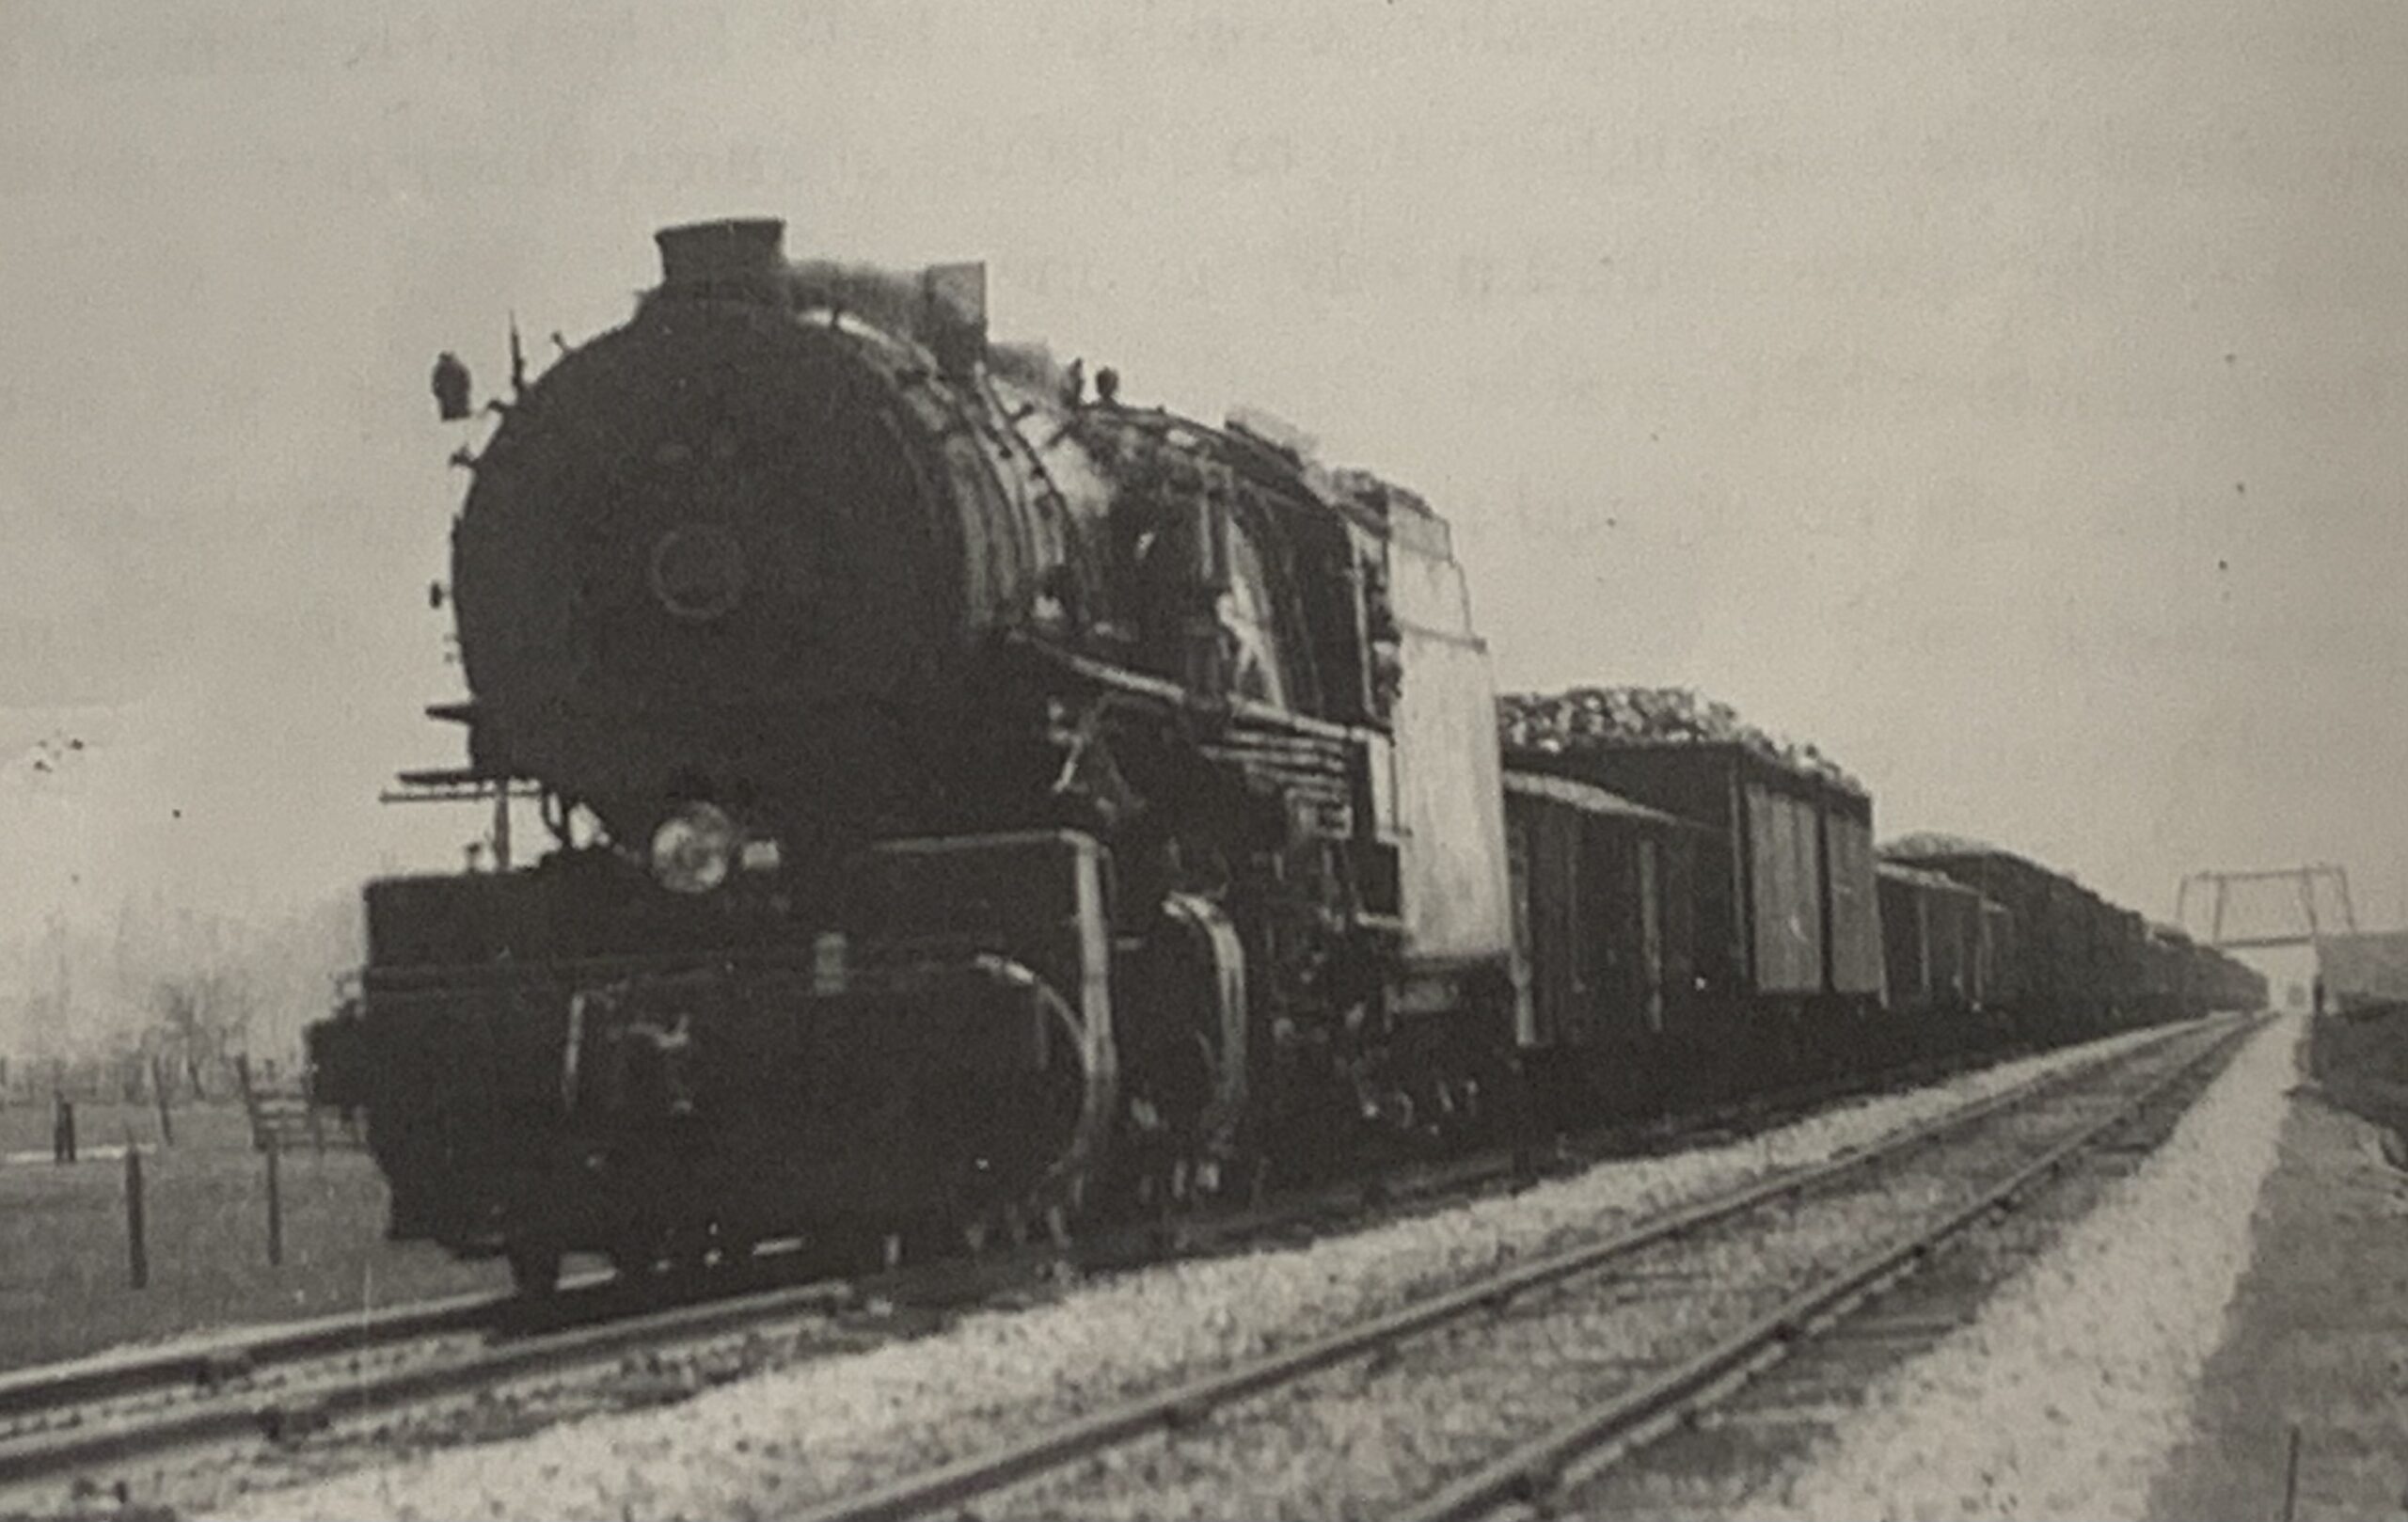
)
(741, 257)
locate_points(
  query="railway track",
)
(131, 1415)
(295, 1381)
(89, 1417)
(1660, 1320)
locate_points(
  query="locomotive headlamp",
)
(694, 849)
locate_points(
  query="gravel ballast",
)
(774, 1444)
(1372, 1439)
(2066, 1395)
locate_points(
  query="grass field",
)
(64, 1274)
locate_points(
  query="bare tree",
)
(201, 1018)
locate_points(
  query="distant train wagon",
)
(2068, 959)
(2078, 955)
(1943, 943)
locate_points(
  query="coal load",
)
(1593, 717)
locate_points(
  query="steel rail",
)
(45, 1453)
(207, 1364)
(980, 1474)
(29, 1392)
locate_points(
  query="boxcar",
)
(1935, 941)
(1603, 890)
(1786, 904)
(2172, 987)
(2076, 959)
(2002, 966)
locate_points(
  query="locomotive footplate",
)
(956, 1066)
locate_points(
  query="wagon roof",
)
(1922, 877)
(1931, 844)
(1934, 847)
(1590, 799)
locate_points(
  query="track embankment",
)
(2049, 1374)
(2303, 1411)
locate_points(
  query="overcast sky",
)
(2008, 399)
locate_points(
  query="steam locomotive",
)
(974, 798)
(977, 802)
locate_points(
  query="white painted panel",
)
(1450, 787)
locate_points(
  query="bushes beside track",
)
(2360, 1060)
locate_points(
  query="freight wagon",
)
(2004, 980)
(1942, 943)
(1779, 930)
(1786, 911)
(1605, 895)
(2173, 977)
(1810, 957)
(2079, 961)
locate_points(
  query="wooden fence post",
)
(137, 1261)
(275, 1201)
